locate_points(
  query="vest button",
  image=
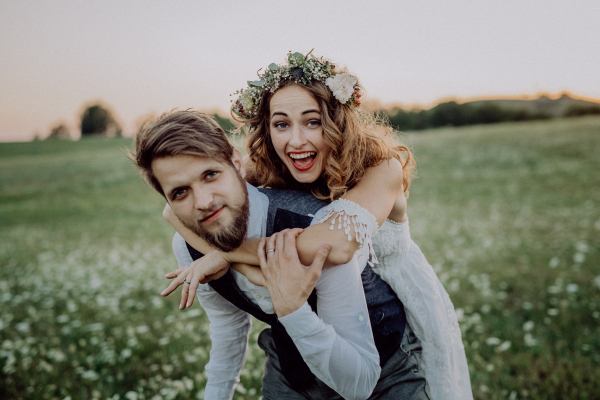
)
(258, 296)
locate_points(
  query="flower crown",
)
(301, 69)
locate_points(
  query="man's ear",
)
(238, 163)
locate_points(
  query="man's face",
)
(207, 195)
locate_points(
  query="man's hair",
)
(178, 133)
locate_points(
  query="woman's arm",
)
(380, 191)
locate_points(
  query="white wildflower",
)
(530, 340)
(554, 262)
(597, 281)
(492, 341)
(504, 346)
(342, 86)
(527, 326)
(572, 288)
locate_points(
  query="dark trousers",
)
(401, 377)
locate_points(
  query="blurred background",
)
(500, 103)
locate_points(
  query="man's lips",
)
(214, 216)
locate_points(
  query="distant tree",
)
(577, 110)
(225, 123)
(60, 132)
(98, 120)
(451, 114)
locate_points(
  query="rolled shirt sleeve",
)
(229, 329)
(338, 344)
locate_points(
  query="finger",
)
(320, 258)
(290, 244)
(174, 284)
(184, 295)
(262, 257)
(280, 245)
(193, 286)
(271, 243)
(175, 274)
(296, 231)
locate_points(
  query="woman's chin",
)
(305, 176)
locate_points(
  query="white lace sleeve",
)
(350, 214)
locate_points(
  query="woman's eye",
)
(314, 123)
(281, 125)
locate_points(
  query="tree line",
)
(98, 120)
(452, 113)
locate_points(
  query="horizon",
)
(144, 58)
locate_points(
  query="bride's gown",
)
(428, 307)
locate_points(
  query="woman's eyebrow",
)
(279, 113)
(311, 111)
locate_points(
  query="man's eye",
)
(179, 193)
(211, 174)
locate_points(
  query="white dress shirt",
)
(337, 345)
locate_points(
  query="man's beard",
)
(225, 238)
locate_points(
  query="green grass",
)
(509, 215)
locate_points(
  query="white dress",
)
(429, 310)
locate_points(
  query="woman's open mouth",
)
(303, 161)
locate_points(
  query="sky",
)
(147, 57)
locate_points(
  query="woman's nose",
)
(298, 137)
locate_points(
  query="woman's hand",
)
(212, 266)
(289, 282)
(169, 214)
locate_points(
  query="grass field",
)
(509, 215)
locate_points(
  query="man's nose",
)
(203, 198)
(298, 137)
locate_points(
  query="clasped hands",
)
(288, 281)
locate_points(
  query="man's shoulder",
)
(181, 251)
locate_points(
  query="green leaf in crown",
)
(256, 83)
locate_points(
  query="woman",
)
(306, 131)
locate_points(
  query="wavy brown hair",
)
(357, 140)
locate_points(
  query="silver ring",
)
(270, 251)
(186, 281)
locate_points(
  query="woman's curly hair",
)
(357, 140)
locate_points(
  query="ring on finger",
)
(186, 281)
(270, 251)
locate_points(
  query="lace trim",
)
(349, 213)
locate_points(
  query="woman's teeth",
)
(298, 156)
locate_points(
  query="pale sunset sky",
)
(143, 57)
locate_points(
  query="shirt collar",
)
(259, 206)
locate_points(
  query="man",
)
(186, 157)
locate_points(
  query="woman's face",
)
(297, 133)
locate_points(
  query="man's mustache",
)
(213, 208)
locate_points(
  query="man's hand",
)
(289, 282)
(211, 266)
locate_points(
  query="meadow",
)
(508, 215)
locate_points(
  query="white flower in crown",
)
(342, 86)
